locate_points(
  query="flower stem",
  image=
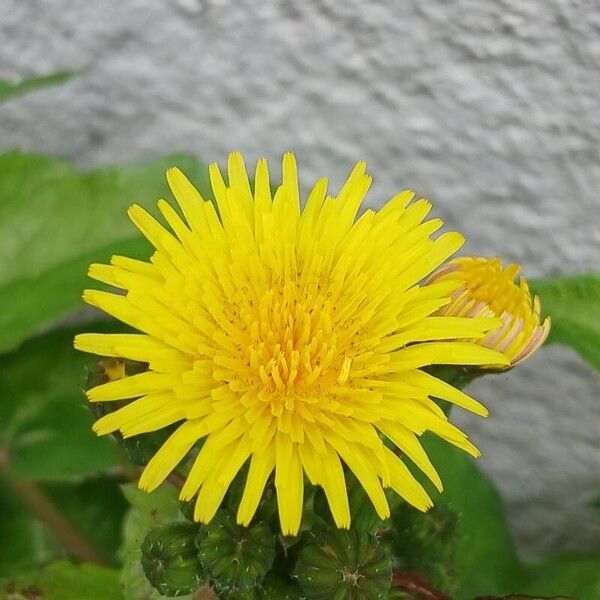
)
(414, 583)
(174, 478)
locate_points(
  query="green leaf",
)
(65, 581)
(485, 560)
(26, 544)
(9, 89)
(55, 221)
(426, 543)
(95, 508)
(573, 576)
(45, 425)
(573, 304)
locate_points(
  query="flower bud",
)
(170, 559)
(484, 288)
(236, 558)
(341, 564)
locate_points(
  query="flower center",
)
(295, 341)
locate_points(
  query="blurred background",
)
(489, 108)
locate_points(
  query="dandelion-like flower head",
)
(288, 341)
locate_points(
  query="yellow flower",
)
(485, 289)
(288, 340)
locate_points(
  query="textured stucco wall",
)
(490, 108)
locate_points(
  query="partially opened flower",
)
(486, 289)
(287, 340)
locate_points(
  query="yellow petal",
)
(170, 454)
(261, 467)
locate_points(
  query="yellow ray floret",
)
(484, 288)
(290, 340)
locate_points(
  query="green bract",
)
(344, 565)
(236, 558)
(170, 560)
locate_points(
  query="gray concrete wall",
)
(490, 108)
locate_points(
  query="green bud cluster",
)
(256, 563)
(323, 563)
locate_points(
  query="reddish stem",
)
(174, 478)
(414, 583)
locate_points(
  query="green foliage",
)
(55, 221)
(9, 89)
(343, 565)
(485, 562)
(45, 425)
(64, 581)
(95, 507)
(170, 559)
(573, 304)
(574, 576)
(426, 543)
(236, 558)
(26, 543)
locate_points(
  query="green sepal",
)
(344, 565)
(426, 543)
(170, 559)
(236, 558)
